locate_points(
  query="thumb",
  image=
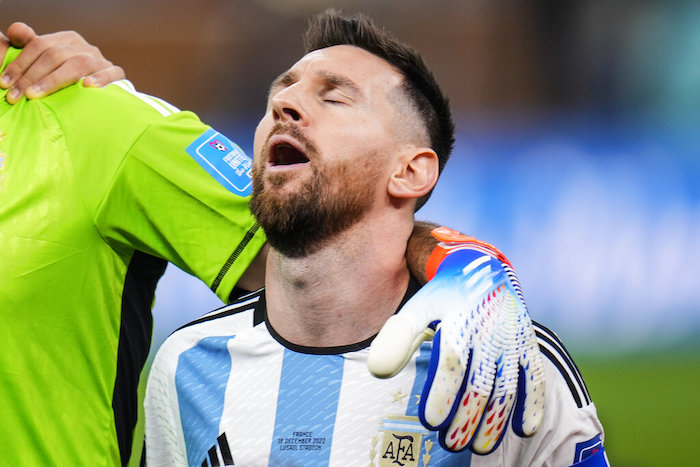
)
(403, 333)
(20, 34)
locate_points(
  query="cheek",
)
(352, 140)
(261, 132)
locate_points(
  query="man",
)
(352, 142)
(98, 188)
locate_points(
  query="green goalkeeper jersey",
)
(98, 189)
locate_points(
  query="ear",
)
(415, 174)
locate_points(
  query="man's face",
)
(324, 148)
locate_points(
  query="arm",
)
(53, 61)
(164, 438)
(570, 433)
(420, 245)
(486, 364)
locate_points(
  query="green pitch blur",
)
(649, 405)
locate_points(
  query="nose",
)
(290, 113)
(286, 107)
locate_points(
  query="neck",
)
(343, 293)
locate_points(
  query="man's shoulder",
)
(244, 313)
(211, 332)
(562, 365)
(117, 100)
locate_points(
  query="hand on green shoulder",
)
(50, 62)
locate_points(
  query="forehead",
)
(365, 69)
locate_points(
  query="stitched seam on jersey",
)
(234, 256)
(550, 337)
(223, 312)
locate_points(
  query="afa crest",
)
(400, 443)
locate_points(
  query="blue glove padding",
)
(485, 364)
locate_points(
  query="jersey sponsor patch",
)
(224, 161)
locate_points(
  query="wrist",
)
(451, 241)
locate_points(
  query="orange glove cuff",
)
(451, 240)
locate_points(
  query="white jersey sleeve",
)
(570, 431)
(165, 442)
(165, 438)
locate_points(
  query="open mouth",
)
(286, 154)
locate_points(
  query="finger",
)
(529, 408)
(71, 71)
(494, 424)
(16, 70)
(506, 303)
(49, 49)
(467, 418)
(468, 325)
(494, 367)
(403, 332)
(20, 34)
(500, 407)
(450, 362)
(40, 67)
(104, 77)
(437, 402)
(476, 388)
(4, 42)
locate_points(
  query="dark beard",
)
(303, 222)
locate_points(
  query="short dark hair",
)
(331, 28)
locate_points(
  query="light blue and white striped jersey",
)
(226, 389)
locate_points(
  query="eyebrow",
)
(285, 79)
(340, 81)
(335, 80)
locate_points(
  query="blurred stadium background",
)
(577, 154)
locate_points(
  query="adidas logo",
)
(221, 456)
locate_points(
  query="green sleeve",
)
(157, 198)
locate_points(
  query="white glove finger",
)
(469, 328)
(529, 409)
(444, 384)
(403, 332)
(494, 425)
(494, 367)
(507, 304)
(466, 419)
